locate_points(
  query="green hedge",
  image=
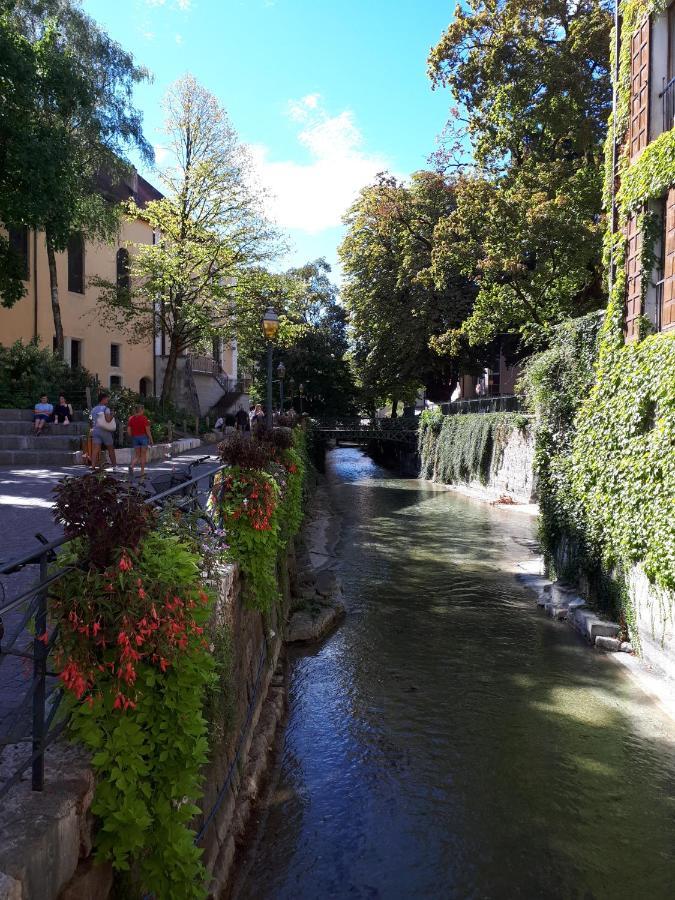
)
(27, 372)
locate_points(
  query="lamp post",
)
(270, 325)
(301, 391)
(281, 371)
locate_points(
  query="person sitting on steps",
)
(63, 411)
(42, 414)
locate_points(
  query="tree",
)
(82, 123)
(312, 341)
(210, 228)
(396, 305)
(532, 83)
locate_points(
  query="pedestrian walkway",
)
(26, 508)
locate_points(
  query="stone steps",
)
(9, 428)
(41, 443)
(57, 446)
(39, 459)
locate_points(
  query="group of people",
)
(103, 430)
(242, 420)
(45, 413)
(254, 420)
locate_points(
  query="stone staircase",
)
(19, 447)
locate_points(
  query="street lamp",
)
(301, 391)
(270, 325)
(281, 371)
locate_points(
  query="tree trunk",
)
(170, 372)
(54, 292)
(394, 407)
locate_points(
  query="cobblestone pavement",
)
(26, 508)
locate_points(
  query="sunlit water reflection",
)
(449, 740)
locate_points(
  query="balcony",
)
(667, 95)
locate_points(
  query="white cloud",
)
(313, 196)
(185, 5)
(161, 154)
(179, 39)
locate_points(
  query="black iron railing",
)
(668, 98)
(33, 720)
(500, 403)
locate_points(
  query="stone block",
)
(588, 624)
(608, 643)
(91, 881)
(10, 889)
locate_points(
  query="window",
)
(76, 264)
(18, 241)
(671, 42)
(123, 279)
(115, 381)
(75, 353)
(115, 355)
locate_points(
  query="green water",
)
(451, 741)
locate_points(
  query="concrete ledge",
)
(156, 452)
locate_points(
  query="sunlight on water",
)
(449, 740)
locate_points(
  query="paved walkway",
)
(26, 508)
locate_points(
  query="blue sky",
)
(325, 92)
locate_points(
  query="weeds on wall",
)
(464, 448)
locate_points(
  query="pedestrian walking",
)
(42, 413)
(241, 420)
(257, 419)
(138, 429)
(103, 430)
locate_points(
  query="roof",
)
(131, 187)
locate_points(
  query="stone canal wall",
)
(490, 454)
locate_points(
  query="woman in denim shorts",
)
(138, 429)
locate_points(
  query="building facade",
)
(203, 382)
(102, 349)
(644, 150)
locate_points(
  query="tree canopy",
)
(210, 230)
(532, 85)
(397, 302)
(68, 88)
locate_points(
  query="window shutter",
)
(633, 280)
(668, 310)
(639, 93)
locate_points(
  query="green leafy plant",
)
(134, 660)
(27, 371)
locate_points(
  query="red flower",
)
(125, 564)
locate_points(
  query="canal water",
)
(449, 740)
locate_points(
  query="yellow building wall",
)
(79, 312)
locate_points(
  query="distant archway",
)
(145, 387)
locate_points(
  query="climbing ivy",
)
(464, 447)
(605, 461)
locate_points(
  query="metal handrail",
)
(37, 595)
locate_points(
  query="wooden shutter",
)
(668, 308)
(633, 280)
(639, 91)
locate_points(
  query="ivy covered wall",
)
(606, 409)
